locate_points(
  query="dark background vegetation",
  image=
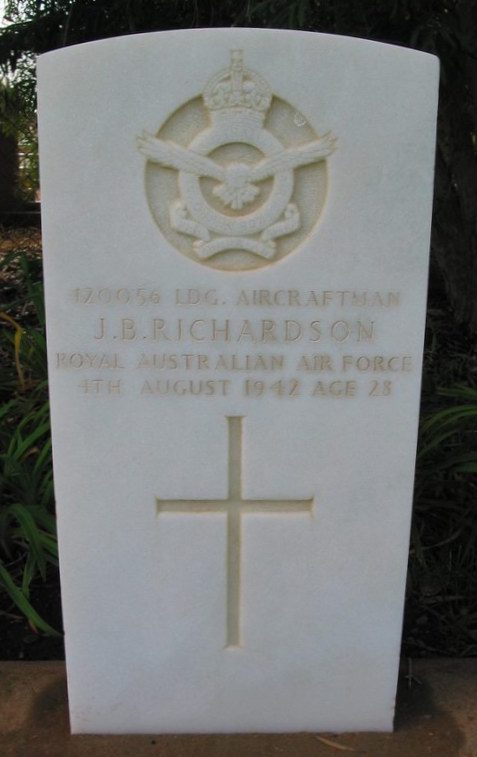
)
(441, 606)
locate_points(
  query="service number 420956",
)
(122, 296)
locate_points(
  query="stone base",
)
(436, 715)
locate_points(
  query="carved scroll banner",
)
(236, 232)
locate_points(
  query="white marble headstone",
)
(236, 229)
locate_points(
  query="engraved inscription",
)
(312, 298)
(251, 180)
(245, 344)
(234, 507)
(100, 387)
(246, 331)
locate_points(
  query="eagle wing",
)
(312, 152)
(171, 155)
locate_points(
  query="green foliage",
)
(28, 547)
(18, 120)
(441, 615)
(449, 436)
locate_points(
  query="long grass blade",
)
(23, 604)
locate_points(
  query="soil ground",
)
(436, 716)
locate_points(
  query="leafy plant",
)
(18, 122)
(450, 434)
(28, 546)
(442, 577)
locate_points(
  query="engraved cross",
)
(234, 506)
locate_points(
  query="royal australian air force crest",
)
(236, 178)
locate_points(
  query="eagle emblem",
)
(250, 203)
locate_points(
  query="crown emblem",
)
(237, 91)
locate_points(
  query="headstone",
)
(236, 228)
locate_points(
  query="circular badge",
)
(236, 178)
